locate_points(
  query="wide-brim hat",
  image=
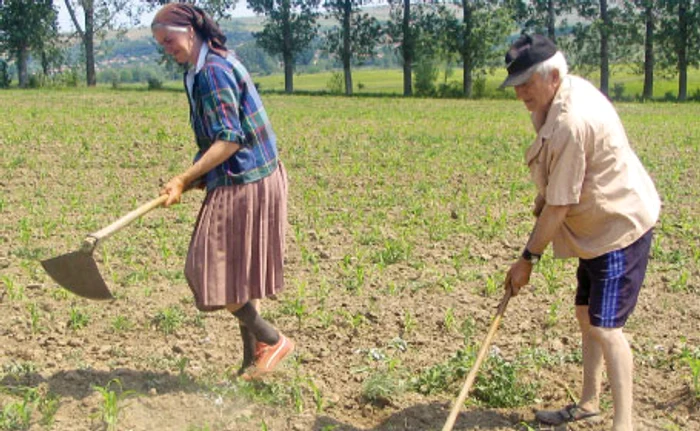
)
(525, 53)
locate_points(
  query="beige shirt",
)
(581, 157)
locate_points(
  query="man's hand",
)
(174, 189)
(518, 276)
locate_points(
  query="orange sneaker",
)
(267, 357)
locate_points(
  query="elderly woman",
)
(596, 203)
(236, 251)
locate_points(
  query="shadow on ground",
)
(78, 384)
(424, 417)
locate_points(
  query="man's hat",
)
(526, 52)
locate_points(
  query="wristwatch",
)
(531, 257)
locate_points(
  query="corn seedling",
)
(111, 405)
(34, 317)
(449, 322)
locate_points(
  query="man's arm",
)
(548, 223)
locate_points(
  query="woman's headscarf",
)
(183, 15)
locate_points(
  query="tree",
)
(680, 39)
(217, 9)
(641, 17)
(401, 30)
(539, 16)
(356, 38)
(25, 27)
(289, 28)
(98, 17)
(485, 27)
(598, 42)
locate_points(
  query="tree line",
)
(651, 36)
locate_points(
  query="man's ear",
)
(556, 78)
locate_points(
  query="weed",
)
(121, 324)
(111, 405)
(440, 377)
(169, 319)
(499, 387)
(381, 387)
(394, 251)
(78, 318)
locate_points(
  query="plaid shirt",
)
(225, 106)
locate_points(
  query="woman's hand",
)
(174, 189)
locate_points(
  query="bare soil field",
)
(404, 217)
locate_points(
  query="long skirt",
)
(237, 248)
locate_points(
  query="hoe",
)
(77, 271)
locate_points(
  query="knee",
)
(607, 336)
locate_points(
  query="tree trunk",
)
(649, 52)
(682, 50)
(287, 55)
(551, 21)
(407, 49)
(604, 53)
(89, 41)
(22, 59)
(347, 53)
(466, 50)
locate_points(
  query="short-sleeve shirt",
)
(582, 158)
(225, 106)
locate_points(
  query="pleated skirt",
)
(237, 248)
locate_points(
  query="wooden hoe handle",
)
(128, 218)
(475, 368)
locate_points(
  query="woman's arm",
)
(219, 152)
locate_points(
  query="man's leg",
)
(620, 367)
(592, 363)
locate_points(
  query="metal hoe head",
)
(78, 273)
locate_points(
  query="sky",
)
(65, 23)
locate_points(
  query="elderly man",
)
(595, 202)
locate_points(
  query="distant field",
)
(391, 81)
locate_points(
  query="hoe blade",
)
(78, 273)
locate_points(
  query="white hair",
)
(556, 62)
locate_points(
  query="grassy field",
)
(404, 216)
(391, 82)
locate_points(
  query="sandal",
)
(570, 413)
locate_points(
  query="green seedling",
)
(78, 319)
(112, 403)
(169, 319)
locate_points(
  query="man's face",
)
(538, 92)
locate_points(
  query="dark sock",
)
(249, 341)
(263, 331)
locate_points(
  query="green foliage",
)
(169, 319)
(498, 385)
(692, 360)
(335, 83)
(155, 84)
(78, 318)
(441, 377)
(381, 387)
(112, 403)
